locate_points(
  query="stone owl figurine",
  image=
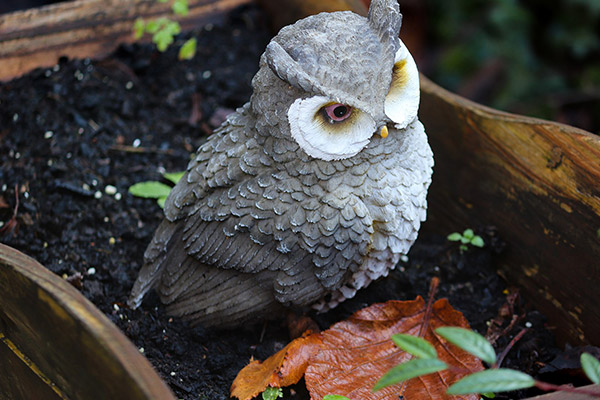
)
(307, 193)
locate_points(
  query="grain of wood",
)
(85, 28)
(52, 335)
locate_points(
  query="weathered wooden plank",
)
(538, 182)
(570, 396)
(19, 381)
(85, 28)
(60, 338)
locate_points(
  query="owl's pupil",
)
(337, 112)
(340, 111)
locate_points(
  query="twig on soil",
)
(132, 149)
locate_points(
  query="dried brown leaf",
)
(284, 368)
(350, 357)
(357, 352)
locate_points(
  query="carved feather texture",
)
(257, 225)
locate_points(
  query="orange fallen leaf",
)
(284, 368)
(357, 352)
(350, 357)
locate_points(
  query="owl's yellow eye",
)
(336, 112)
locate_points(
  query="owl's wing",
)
(242, 237)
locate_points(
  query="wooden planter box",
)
(538, 182)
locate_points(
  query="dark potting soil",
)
(74, 137)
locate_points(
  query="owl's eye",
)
(337, 112)
(329, 130)
(402, 100)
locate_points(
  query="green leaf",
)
(161, 201)
(468, 233)
(469, 341)
(163, 39)
(188, 49)
(139, 26)
(154, 25)
(489, 395)
(492, 380)
(180, 7)
(272, 393)
(172, 27)
(416, 346)
(454, 237)
(162, 1)
(174, 176)
(477, 241)
(335, 397)
(591, 367)
(150, 190)
(408, 370)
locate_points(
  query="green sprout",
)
(468, 237)
(494, 379)
(164, 30)
(154, 189)
(272, 393)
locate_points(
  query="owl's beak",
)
(384, 131)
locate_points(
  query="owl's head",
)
(340, 78)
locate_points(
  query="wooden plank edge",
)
(569, 396)
(92, 319)
(86, 28)
(560, 204)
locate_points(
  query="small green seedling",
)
(154, 189)
(164, 30)
(335, 397)
(468, 237)
(272, 393)
(486, 382)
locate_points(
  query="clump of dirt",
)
(74, 137)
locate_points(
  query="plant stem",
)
(509, 347)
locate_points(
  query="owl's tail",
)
(155, 259)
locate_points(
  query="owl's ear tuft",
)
(385, 19)
(286, 68)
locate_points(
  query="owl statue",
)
(307, 193)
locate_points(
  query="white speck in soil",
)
(110, 190)
(48, 134)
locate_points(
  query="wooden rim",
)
(47, 323)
